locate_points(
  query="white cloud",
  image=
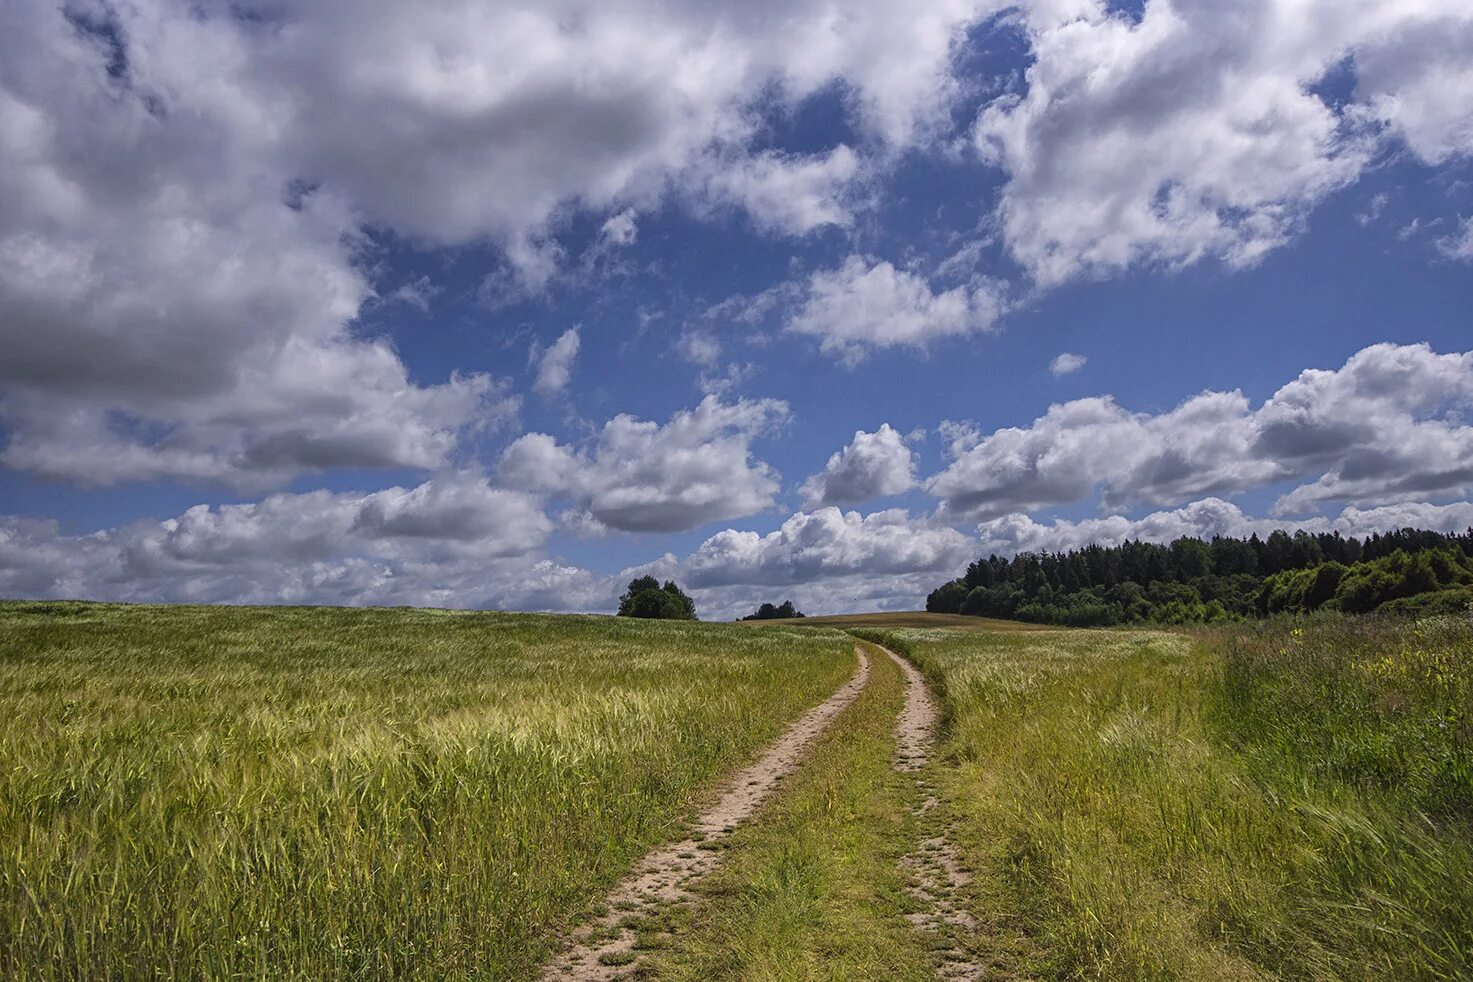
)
(452, 541)
(1196, 132)
(183, 190)
(827, 561)
(555, 365)
(641, 476)
(1458, 245)
(785, 193)
(868, 303)
(1066, 364)
(1204, 519)
(621, 229)
(873, 465)
(826, 542)
(165, 310)
(700, 347)
(1384, 427)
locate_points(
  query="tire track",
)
(604, 949)
(937, 877)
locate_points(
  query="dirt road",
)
(935, 868)
(604, 948)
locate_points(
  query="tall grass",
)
(323, 793)
(1246, 804)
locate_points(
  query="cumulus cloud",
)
(873, 465)
(1197, 130)
(452, 541)
(825, 544)
(184, 190)
(641, 476)
(1066, 364)
(1384, 427)
(171, 305)
(555, 365)
(1012, 534)
(868, 303)
(827, 561)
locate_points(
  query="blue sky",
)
(498, 305)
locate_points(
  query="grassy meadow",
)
(1290, 800)
(307, 793)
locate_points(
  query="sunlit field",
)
(299, 792)
(1281, 801)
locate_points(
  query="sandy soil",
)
(604, 948)
(936, 874)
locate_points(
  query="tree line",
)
(769, 612)
(1192, 580)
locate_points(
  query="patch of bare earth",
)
(605, 948)
(937, 875)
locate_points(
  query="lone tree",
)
(767, 612)
(646, 598)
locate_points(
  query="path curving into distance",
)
(935, 869)
(603, 949)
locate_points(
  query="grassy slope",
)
(1116, 818)
(312, 792)
(812, 889)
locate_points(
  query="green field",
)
(318, 792)
(1283, 801)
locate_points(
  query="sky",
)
(502, 304)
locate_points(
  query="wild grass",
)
(812, 889)
(1250, 804)
(309, 793)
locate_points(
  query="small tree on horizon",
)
(648, 599)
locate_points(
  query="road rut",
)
(937, 877)
(604, 948)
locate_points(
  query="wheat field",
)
(307, 793)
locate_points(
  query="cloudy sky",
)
(493, 304)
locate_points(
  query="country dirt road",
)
(603, 949)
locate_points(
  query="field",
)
(318, 792)
(1285, 801)
(899, 619)
(299, 792)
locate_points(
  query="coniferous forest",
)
(1196, 581)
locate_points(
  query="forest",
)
(1192, 580)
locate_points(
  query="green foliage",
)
(768, 612)
(1369, 586)
(227, 792)
(1194, 582)
(646, 598)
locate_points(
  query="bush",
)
(648, 599)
